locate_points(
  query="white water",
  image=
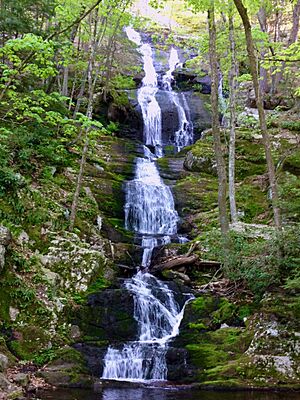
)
(149, 205)
(146, 95)
(159, 317)
(150, 212)
(184, 134)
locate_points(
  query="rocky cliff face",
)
(225, 344)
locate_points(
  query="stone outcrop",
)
(108, 316)
(5, 240)
(223, 344)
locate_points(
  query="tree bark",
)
(292, 39)
(221, 166)
(295, 27)
(263, 82)
(177, 262)
(232, 106)
(262, 118)
(78, 183)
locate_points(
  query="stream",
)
(164, 394)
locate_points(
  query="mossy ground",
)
(38, 294)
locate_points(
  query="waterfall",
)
(150, 212)
(159, 317)
(146, 95)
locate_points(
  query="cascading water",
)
(146, 95)
(184, 134)
(150, 212)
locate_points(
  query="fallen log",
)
(174, 263)
(208, 264)
(185, 261)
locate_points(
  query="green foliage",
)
(44, 356)
(291, 125)
(244, 78)
(16, 51)
(257, 262)
(123, 82)
(23, 16)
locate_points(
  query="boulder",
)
(108, 315)
(3, 362)
(177, 363)
(94, 357)
(200, 163)
(5, 236)
(4, 382)
(21, 379)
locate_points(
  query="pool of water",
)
(163, 394)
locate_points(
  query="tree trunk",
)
(64, 90)
(295, 27)
(221, 166)
(89, 114)
(292, 38)
(263, 82)
(262, 119)
(232, 106)
(78, 183)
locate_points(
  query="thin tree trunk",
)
(221, 167)
(81, 93)
(263, 82)
(78, 183)
(292, 38)
(295, 27)
(89, 114)
(64, 90)
(232, 105)
(276, 76)
(262, 118)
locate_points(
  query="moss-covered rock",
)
(201, 158)
(222, 351)
(108, 315)
(67, 369)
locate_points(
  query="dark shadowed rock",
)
(108, 315)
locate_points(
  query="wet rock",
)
(93, 356)
(98, 387)
(3, 362)
(108, 316)
(188, 77)
(177, 364)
